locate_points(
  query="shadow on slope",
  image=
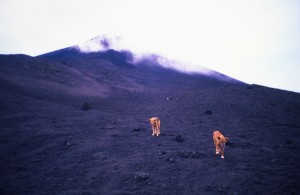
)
(47, 78)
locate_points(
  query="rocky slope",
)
(74, 123)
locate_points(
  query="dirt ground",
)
(55, 140)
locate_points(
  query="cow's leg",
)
(222, 153)
(153, 130)
(217, 149)
(158, 128)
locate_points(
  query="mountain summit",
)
(145, 73)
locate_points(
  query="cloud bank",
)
(254, 41)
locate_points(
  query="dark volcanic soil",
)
(78, 125)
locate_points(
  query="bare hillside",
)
(74, 123)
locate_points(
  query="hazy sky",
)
(256, 41)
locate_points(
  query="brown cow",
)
(220, 142)
(155, 123)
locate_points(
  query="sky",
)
(255, 41)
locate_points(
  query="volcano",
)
(77, 123)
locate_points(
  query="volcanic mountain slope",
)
(74, 123)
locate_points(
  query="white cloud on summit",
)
(240, 38)
(100, 43)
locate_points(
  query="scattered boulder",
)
(183, 154)
(161, 152)
(137, 129)
(194, 155)
(86, 106)
(171, 160)
(38, 98)
(208, 112)
(288, 142)
(141, 177)
(67, 144)
(179, 138)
